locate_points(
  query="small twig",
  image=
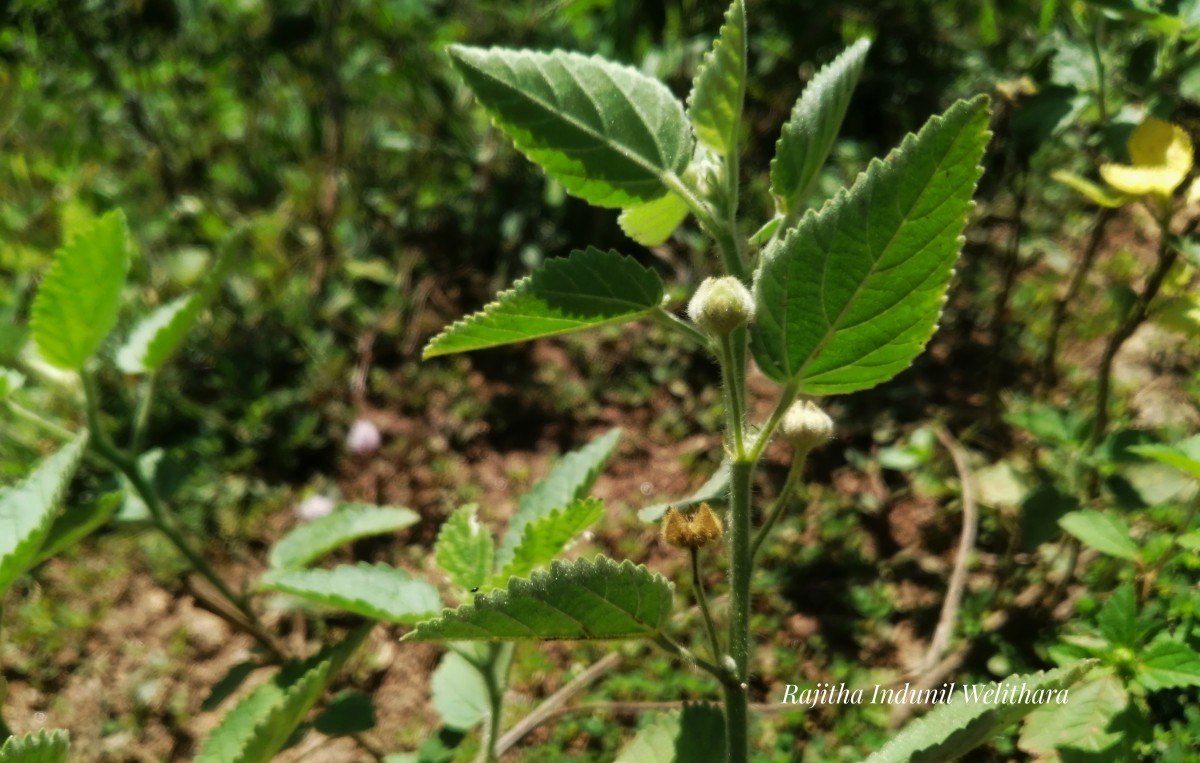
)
(554, 704)
(714, 642)
(966, 543)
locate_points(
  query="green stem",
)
(733, 375)
(142, 417)
(40, 421)
(786, 398)
(129, 467)
(781, 503)
(494, 671)
(723, 234)
(1101, 89)
(741, 567)
(672, 321)
(683, 653)
(714, 642)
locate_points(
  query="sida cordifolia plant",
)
(827, 301)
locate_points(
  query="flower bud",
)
(364, 438)
(720, 305)
(691, 531)
(314, 507)
(806, 426)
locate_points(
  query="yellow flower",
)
(1161, 153)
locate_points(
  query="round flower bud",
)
(806, 426)
(364, 438)
(691, 530)
(720, 305)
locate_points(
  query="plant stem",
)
(781, 502)
(133, 472)
(733, 376)
(1101, 90)
(714, 643)
(143, 414)
(741, 567)
(683, 653)
(786, 398)
(1133, 319)
(686, 328)
(495, 664)
(42, 422)
(725, 235)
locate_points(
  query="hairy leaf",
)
(371, 590)
(1184, 456)
(464, 549)
(459, 693)
(954, 728)
(597, 599)
(853, 292)
(1083, 723)
(652, 223)
(77, 302)
(701, 731)
(27, 510)
(715, 104)
(586, 289)
(261, 724)
(571, 479)
(1102, 531)
(38, 747)
(314, 539)
(546, 537)
(809, 133)
(655, 742)
(1118, 618)
(607, 132)
(1169, 664)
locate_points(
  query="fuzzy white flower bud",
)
(314, 507)
(806, 426)
(364, 438)
(720, 305)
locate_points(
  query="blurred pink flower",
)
(314, 507)
(364, 438)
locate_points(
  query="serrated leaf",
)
(715, 489)
(78, 300)
(1184, 456)
(348, 523)
(701, 732)
(38, 747)
(852, 294)
(715, 105)
(571, 479)
(546, 537)
(1169, 664)
(1102, 531)
(597, 599)
(464, 549)
(1080, 724)
(807, 137)
(654, 742)
(953, 729)
(27, 510)
(1117, 619)
(78, 522)
(262, 723)
(376, 591)
(607, 132)
(652, 223)
(459, 693)
(586, 289)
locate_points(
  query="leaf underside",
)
(607, 132)
(596, 599)
(314, 539)
(587, 289)
(852, 294)
(459, 692)
(376, 591)
(714, 106)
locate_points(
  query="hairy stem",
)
(494, 671)
(741, 567)
(781, 502)
(714, 643)
(723, 233)
(733, 375)
(674, 322)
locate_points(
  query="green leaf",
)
(655, 742)
(714, 490)
(571, 479)
(464, 549)
(1184, 456)
(350, 712)
(652, 223)
(1080, 724)
(1118, 618)
(38, 747)
(459, 693)
(10, 382)
(586, 289)
(376, 591)
(546, 537)
(27, 510)
(77, 302)
(262, 723)
(953, 729)
(809, 133)
(584, 599)
(611, 135)
(348, 523)
(1169, 664)
(853, 293)
(701, 731)
(715, 104)
(1104, 532)
(78, 522)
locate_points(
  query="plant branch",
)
(723, 234)
(674, 322)
(781, 501)
(702, 602)
(786, 398)
(966, 544)
(556, 702)
(39, 421)
(734, 402)
(688, 655)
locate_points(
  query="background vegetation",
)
(381, 205)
